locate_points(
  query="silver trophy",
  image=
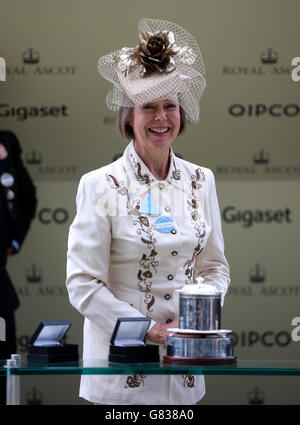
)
(199, 338)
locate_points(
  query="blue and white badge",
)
(7, 179)
(164, 224)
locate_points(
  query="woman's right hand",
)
(158, 333)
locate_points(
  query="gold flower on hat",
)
(154, 54)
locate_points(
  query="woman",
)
(148, 223)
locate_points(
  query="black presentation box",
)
(127, 344)
(45, 345)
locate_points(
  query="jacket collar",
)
(141, 173)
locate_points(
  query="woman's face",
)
(156, 124)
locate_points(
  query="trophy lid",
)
(199, 289)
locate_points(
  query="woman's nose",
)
(160, 114)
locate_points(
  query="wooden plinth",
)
(198, 360)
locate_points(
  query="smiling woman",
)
(164, 228)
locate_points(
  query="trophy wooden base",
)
(205, 361)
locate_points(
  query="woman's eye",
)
(171, 105)
(147, 106)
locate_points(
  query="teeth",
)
(159, 130)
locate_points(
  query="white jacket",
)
(121, 263)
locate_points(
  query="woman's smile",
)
(160, 131)
(155, 125)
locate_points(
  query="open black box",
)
(46, 344)
(127, 344)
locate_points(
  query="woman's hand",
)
(159, 333)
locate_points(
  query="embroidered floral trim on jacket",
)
(148, 262)
(188, 381)
(134, 381)
(143, 179)
(193, 205)
(176, 173)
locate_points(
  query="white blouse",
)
(133, 242)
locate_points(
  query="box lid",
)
(50, 333)
(130, 331)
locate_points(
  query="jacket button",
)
(174, 231)
(174, 253)
(169, 321)
(167, 297)
(170, 277)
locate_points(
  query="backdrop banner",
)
(53, 99)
